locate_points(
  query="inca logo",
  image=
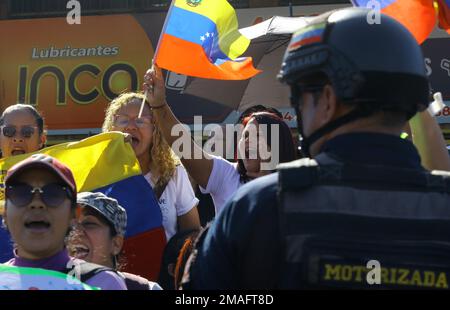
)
(193, 2)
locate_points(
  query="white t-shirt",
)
(223, 182)
(177, 199)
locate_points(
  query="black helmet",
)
(380, 63)
(375, 67)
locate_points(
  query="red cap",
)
(47, 162)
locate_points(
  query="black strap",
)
(134, 282)
(159, 188)
(86, 270)
(364, 176)
(133, 285)
(355, 114)
(297, 176)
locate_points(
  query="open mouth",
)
(80, 251)
(37, 226)
(17, 152)
(134, 141)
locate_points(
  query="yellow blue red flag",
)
(200, 38)
(105, 163)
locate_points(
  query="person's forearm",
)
(199, 168)
(166, 120)
(428, 138)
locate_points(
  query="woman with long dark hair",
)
(214, 174)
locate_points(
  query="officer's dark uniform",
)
(364, 199)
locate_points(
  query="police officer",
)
(364, 198)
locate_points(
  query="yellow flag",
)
(95, 162)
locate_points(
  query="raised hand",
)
(154, 87)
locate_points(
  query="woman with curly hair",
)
(159, 165)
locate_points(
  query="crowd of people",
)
(354, 187)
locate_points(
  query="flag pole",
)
(156, 53)
(142, 104)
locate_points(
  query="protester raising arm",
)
(428, 139)
(199, 169)
(214, 174)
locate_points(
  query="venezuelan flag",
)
(444, 14)
(305, 36)
(418, 16)
(107, 164)
(200, 38)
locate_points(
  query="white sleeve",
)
(223, 173)
(185, 197)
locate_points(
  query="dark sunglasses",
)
(53, 194)
(299, 89)
(25, 131)
(309, 88)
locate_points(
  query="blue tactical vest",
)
(362, 226)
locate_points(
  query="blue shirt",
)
(242, 248)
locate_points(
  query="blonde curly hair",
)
(163, 158)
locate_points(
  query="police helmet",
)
(380, 66)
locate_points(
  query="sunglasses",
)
(53, 194)
(309, 88)
(123, 121)
(25, 131)
(299, 89)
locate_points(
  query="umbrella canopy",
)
(215, 100)
(264, 88)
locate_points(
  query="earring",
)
(4, 224)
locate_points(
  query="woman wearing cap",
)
(99, 235)
(214, 174)
(158, 163)
(40, 205)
